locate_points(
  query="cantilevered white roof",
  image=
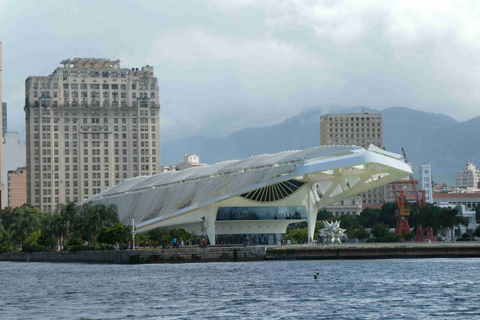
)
(337, 171)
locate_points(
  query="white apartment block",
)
(468, 178)
(90, 125)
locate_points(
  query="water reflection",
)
(262, 213)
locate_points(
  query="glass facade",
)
(255, 238)
(261, 213)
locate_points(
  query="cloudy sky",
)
(226, 65)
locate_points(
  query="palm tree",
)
(449, 218)
(57, 229)
(92, 218)
(68, 213)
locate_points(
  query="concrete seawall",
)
(210, 254)
(377, 251)
(231, 254)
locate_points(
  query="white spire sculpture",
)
(332, 232)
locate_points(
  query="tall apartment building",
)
(468, 178)
(2, 189)
(17, 187)
(360, 129)
(89, 125)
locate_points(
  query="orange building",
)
(17, 187)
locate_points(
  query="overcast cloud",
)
(227, 65)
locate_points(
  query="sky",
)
(227, 65)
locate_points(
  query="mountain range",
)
(433, 138)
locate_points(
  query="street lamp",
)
(133, 232)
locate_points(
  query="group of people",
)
(177, 244)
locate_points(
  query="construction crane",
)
(403, 212)
(423, 234)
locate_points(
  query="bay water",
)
(345, 289)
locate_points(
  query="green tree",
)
(379, 231)
(298, 235)
(23, 221)
(118, 233)
(92, 218)
(323, 214)
(6, 244)
(477, 214)
(427, 216)
(448, 219)
(369, 216)
(476, 233)
(159, 236)
(31, 243)
(362, 234)
(389, 214)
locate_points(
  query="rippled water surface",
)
(374, 289)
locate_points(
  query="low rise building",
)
(469, 200)
(15, 154)
(352, 205)
(17, 187)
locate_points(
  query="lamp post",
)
(133, 232)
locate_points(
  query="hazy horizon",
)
(225, 66)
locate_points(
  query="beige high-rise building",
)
(17, 187)
(468, 177)
(360, 129)
(89, 125)
(2, 189)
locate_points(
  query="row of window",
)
(378, 119)
(94, 168)
(93, 86)
(96, 112)
(357, 135)
(356, 130)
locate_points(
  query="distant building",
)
(468, 177)
(439, 187)
(189, 161)
(460, 229)
(17, 187)
(425, 182)
(352, 205)
(403, 184)
(361, 129)
(4, 118)
(469, 200)
(15, 156)
(2, 188)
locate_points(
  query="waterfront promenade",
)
(395, 250)
(256, 253)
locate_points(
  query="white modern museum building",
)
(256, 197)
